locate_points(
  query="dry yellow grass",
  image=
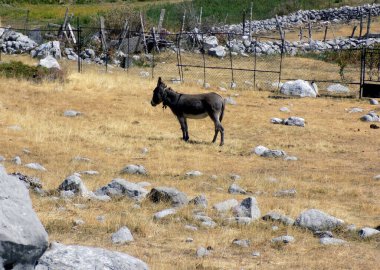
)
(338, 157)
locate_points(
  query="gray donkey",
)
(191, 106)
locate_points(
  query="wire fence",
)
(186, 57)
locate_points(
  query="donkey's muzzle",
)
(152, 103)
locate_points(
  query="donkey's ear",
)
(159, 81)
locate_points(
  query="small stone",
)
(236, 189)
(66, 194)
(144, 151)
(89, 172)
(332, 241)
(26, 151)
(284, 109)
(290, 158)
(200, 200)
(256, 254)
(78, 222)
(294, 121)
(71, 113)
(283, 239)
(373, 102)
(193, 174)
(168, 194)
(16, 160)
(144, 74)
(189, 240)
(214, 177)
(84, 159)
(164, 213)
(2, 159)
(202, 252)
(274, 228)
(323, 234)
(35, 166)
(377, 177)
(225, 205)
(241, 243)
(274, 216)
(122, 236)
(101, 218)
(276, 120)
(286, 193)
(134, 169)
(191, 228)
(367, 232)
(208, 224)
(234, 177)
(355, 110)
(230, 101)
(351, 228)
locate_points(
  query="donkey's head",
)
(158, 93)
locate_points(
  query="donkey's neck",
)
(172, 98)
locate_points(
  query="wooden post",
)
(250, 22)
(301, 33)
(353, 31)
(200, 17)
(155, 39)
(368, 24)
(183, 21)
(142, 33)
(123, 34)
(309, 27)
(161, 20)
(103, 34)
(280, 28)
(361, 24)
(244, 13)
(63, 26)
(71, 33)
(324, 37)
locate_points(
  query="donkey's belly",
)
(196, 116)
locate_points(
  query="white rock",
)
(122, 236)
(49, 62)
(298, 88)
(35, 166)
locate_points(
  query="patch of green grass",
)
(17, 69)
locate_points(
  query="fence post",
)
(204, 62)
(368, 24)
(79, 45)
(255, 63)
(324, 37)
(282, 55)
(128, 52)
(250, 22)
(361, 24)
(231, 64)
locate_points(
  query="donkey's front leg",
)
(183, 123)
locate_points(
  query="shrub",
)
(17, 69)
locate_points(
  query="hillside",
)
(338, 157)
(213, 11)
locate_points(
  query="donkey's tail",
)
(222, 113)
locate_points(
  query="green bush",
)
(17, 69)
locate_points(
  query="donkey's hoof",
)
(221, 144)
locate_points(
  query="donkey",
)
(191, 106)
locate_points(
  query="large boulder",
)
(316, 220)
(121, 187)
(23, 239)
(168, 194)
(52, 48)
(73, 257)
(298, 88)
(210, 42)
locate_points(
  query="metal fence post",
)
(79, 45)
(204, 63)
(127, 64)
(255, 63)
(282, 55)
(231, 64)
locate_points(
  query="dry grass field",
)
(338, 157)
